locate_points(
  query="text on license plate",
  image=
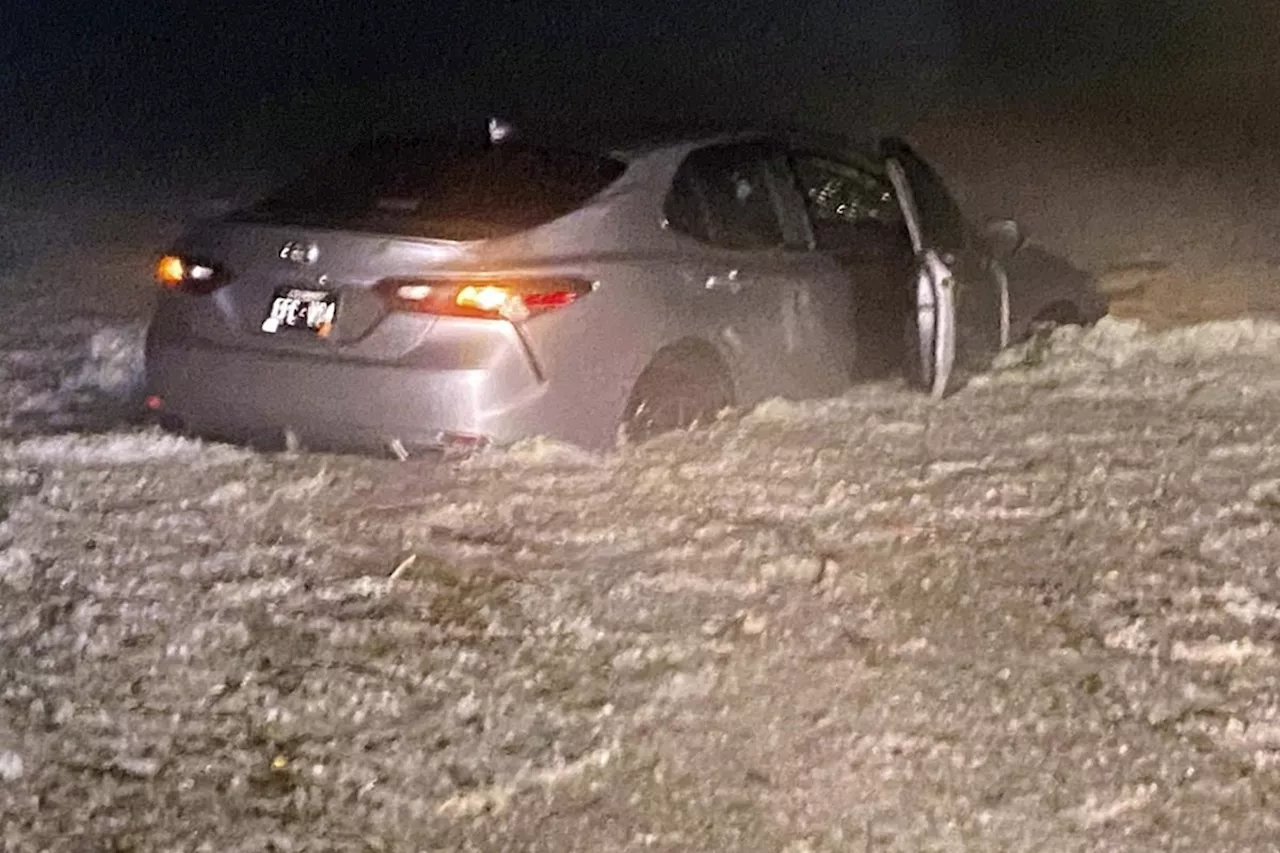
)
(295, 308)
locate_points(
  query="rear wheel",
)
(682, 387)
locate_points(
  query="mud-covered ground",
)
(1041, 615)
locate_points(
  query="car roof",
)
(631, 144)
(632, 141)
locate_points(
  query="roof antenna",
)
(500, 130)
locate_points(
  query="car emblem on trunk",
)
(300, 253)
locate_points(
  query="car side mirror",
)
(1004, 237)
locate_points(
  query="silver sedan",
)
(422, 294)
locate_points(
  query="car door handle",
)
(730, 281)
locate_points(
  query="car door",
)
(857, 225)
(816, 302)
(958, 299)
(743, 284)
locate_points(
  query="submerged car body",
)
(420, 294)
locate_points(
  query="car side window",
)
(686, 208)
(733, 182)
(841, 192)
(940, 216)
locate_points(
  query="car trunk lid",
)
(302, 266)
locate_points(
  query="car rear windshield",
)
(451, 191)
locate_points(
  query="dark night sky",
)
(98, 84)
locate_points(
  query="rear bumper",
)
(246, 396)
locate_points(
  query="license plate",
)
(308, 310)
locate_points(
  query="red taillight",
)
(513, 299)
(175, 272)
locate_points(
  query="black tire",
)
(682, 387)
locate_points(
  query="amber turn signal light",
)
(170, 271)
